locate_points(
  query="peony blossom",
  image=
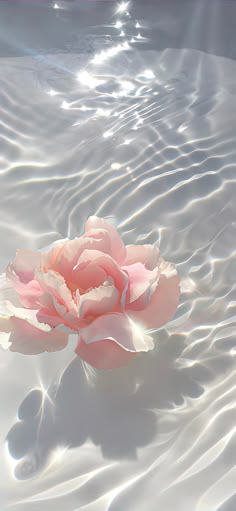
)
(94, 286)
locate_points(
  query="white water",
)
(155, 152)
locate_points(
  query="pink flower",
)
(108, 293)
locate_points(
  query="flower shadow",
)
(116, 410)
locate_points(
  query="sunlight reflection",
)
(65, 105)
(182, 128)
(11, 461)
(118, 24)
(57, 456)
(56, 6)
(115, 166)
(45, 395)
(111, 52)
(53, 92)
(108, 134)
(101, 112)
(128, 141)
(85, 108)
(87, 79)
(137, 328)
(122, 7)
(126, 88)
(148, 73)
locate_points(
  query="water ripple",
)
(145, 138)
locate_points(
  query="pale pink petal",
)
(104, 354)
(7, 293)
(21, 273)
(107, 336)
(23, 265)
(91, 276)
(164, 301)
(29, 340)
(55, 314)
(51, 258)
(57, 303)
(20, 331)
(102, 236)
(53, 283)
(50, 316)
(28, 293)
(98, 301)
(140, 284)
(29, 315)
(73, 249)
(118, 250)
(120, 329)
(5, 331)
(107, 264)
(149, 255)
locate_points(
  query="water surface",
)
(131, 116)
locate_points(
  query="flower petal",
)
(106, 263)
(163, 302)
(103, 341)
(118, 250)
(51, 257)
(103, 354)
(25, 335)
(73, 249)
(98, 301)
(23, 265)
(140, 284)
(89, 277)
(29, 340)
(28, 315)
(102, 236)
(28, 293)
(7, 294)
(149, 255)
(54, 284)
(21, 274)
(5, 331)
(57, 304)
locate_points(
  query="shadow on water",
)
(116, 410)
